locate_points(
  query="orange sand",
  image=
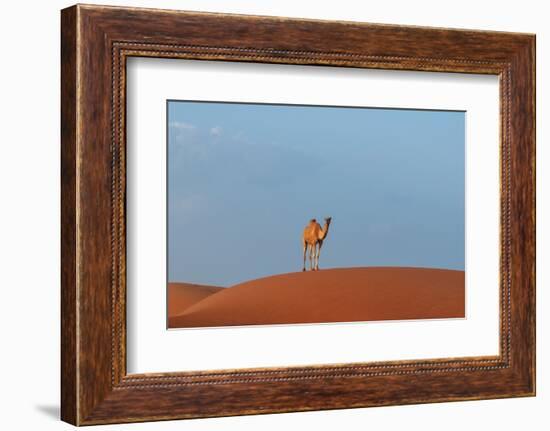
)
(183, 295)
(329, 295)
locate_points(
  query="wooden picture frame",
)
(95, 43)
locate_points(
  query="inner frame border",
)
(122, 50)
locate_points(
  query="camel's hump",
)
(312, 227)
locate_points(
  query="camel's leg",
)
(315, 257)
(319, 245)
(305, 252)
(311, 257)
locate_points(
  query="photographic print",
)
(298, 214)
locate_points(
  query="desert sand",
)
(329, 295)
(182, 295)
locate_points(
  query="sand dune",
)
(182, 295)
(330, 295)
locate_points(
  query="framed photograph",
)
(265, 214)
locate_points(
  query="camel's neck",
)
(324, 231)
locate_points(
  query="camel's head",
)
(328, 220)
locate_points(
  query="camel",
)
(313, 238)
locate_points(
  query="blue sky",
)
(244, 180)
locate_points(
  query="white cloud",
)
(182, 125)
(216, 131)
